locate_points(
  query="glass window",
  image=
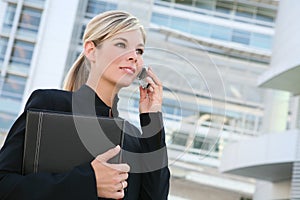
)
(29, 20)
(40, 2)
(21, 56)
(205, 4)
(95, 7)
(164, 3)
(168, 109)
(201, 142)
(3, 46)
(13, 87)
(82, 32)
(179, 24)
(261, 41)
(200, 28)
(240, 36)
(9, 18)
(6, 120)
(185, 2)
(160, 19)
(244, 10)
(265, 14)
(221, 32)
(224, 7)
(179, 138)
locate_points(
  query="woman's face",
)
(119, 59)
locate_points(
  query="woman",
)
(112, 58)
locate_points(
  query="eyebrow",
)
(120, 38)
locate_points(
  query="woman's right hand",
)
(110, 178)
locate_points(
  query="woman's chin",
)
(124, 84)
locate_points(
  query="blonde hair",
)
(99, 29)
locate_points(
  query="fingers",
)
(123, 167)
(153, 81)
(154, 77)
(124, 185)
(110, 179)
(109, 154)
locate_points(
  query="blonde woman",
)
(113, 45)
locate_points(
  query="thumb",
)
(109, 154)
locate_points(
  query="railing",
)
(295, 184)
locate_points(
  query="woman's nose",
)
(132, 56)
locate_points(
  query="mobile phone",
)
(142, 78)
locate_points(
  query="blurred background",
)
(230, 70)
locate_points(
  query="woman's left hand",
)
(151, 97)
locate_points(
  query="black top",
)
(146, 180)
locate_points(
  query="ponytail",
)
(77, 75)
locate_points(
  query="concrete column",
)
(272, 191)
(276, 111)
(294, 118)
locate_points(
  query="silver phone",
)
(142, 78)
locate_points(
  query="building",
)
(209, 54)
(275, 158)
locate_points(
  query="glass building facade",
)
(185, 37)
(19, 31)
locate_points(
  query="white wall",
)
(267, 190)
(286, 51)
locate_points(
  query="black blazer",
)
(80, 183)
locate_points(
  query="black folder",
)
(57, 142)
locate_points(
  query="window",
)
(200, 28)
(206, 144)
(221, 32)
(160, 19)
(244, 10)
(205, 4)
(13, 87)
(240, 36)
(179, 138)
(6, 120)
(185, 2)
(3, 46)
(82, 33)
(21, 56)
(95, 7)
(265, 14)
(179, 24)
(40, 2)
(29, 20)
(261, 41)
(9, 18)
(224, 7)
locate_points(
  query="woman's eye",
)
(139, 51)
(121, 45)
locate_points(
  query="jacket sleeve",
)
(78, 183)
(156, 176)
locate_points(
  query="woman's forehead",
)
(134, 36)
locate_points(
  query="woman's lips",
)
(128, 70)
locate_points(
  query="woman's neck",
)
(105, 91)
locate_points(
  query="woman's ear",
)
(89, 51)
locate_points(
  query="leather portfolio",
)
(57, 142)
